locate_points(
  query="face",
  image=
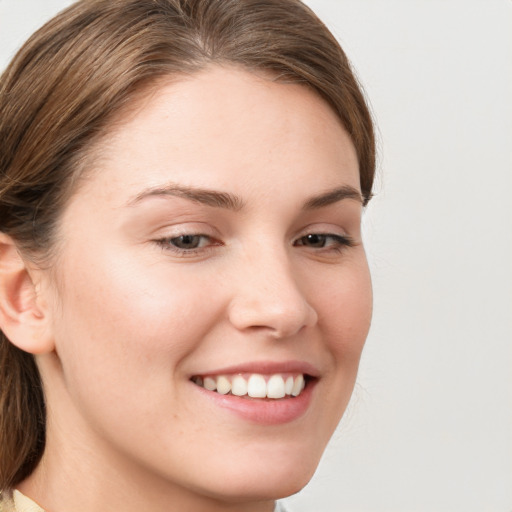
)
(210, 262)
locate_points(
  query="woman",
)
(184, 292)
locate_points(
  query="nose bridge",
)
(269, 295)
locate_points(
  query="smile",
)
(254, 385)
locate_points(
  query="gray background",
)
(430, 426)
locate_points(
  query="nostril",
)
(274, 316)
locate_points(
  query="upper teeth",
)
(255, 386)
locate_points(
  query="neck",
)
(58, 486)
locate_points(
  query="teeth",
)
(288, 387)
(210, 384)
(239, 386)
(298, 385)
(256, 386)
(223, 385)
(275, 387)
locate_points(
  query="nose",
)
(268, 298)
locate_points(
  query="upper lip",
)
(266, 368)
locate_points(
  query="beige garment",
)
(17, 502)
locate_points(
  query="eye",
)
(324, 241)
(189, 241)
(186, 243)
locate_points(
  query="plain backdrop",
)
(429, 428)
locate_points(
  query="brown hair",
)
(64, 86)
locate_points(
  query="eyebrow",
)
(198, 195)
(333, 196)
(233, 202)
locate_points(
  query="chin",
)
(261, 480)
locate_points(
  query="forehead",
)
(222, 124)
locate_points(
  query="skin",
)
(130, 320)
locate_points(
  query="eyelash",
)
(338, 243)
(167, 244)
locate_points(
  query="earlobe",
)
(24, 317)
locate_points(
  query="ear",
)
(24, 316)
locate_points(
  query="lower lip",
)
(263, 411)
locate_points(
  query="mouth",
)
(257, 386)
(264, 393)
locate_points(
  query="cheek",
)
(118, 317)
(345, 311)
(122, 336)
